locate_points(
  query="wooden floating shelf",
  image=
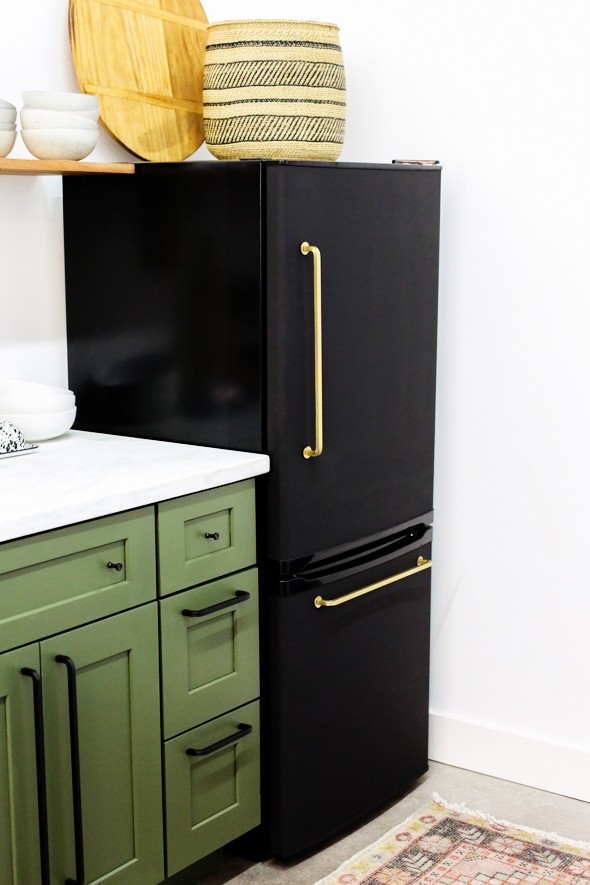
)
(62, 167)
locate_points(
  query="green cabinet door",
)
(116, 681)
(212, 785)
(19, 819)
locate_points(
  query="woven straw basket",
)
(274, 89)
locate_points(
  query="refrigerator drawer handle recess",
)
(308, 452)
(421, 565)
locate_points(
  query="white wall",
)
(498, 91)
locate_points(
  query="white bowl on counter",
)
(60, 101)
(7, 127)
(60, 144)
(35, 403)
(37, 427)
(39, 118)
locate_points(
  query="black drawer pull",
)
(241, 596)
(41, 779)
(75, 763)
(116, 565)
(214, 535)
(224, 742)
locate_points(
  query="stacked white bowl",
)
(59, 125)
(7, 127)
(40, 411)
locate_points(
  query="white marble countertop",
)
(83, 475)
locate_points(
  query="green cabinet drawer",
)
(206, 535)
(213, 797)
(209, 637)
(60, 579)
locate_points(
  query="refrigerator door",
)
(348, 699)
(376, 229)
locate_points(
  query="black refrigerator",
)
(288, 308)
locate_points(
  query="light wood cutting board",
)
(144, 59)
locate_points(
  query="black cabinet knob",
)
(116, 565)
(214, 535)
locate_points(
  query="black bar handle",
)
(41, 776)
(116, 565)
(241, 596)
(75, 761)
(213, 535)
(224, 742)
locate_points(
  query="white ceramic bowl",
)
(7, 115)
(42, 426)
(91, 114)
(39, 118)
(60, 101)
(60, 144)
(6, 105)
(7, 127)
(15, 385)
(37, 427)
(7, 140)
(36, 403)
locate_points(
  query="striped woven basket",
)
(274, 89)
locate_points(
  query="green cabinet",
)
(60, 579)
(116, 717)
(209, 650)
(94, 618)
(210, 671)
(212, 785)
(206, 535)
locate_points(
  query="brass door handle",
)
(421, 565)
(308, 452)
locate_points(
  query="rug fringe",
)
(371, 846)
(461, 808)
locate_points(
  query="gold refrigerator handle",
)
(308, 452)
(421, 565)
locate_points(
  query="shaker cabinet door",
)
(377, 233)
(114, 800)
(209, 650)
(20, 859)
(212, 785)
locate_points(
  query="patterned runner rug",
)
(450, 845)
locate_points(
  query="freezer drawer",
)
(347, 701)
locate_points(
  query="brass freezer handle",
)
(308, 452)
(421, 565)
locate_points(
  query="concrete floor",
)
(502, 799)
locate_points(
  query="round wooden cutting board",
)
(144, 60)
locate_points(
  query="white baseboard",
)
(513, 757)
